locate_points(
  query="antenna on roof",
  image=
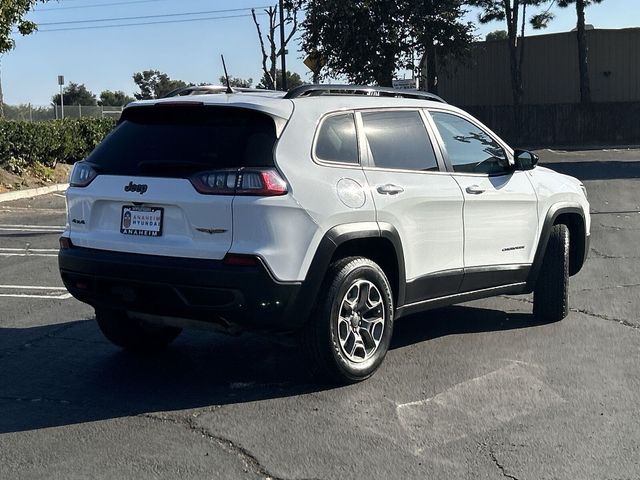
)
(226, 75)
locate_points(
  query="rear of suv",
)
(322, 212)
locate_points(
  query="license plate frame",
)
(142, 225)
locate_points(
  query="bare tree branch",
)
(265, 57)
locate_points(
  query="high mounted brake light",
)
(253, 182)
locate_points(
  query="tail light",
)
(258, 182)
(82, 174)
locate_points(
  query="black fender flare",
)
(328, 245)
(552, 214)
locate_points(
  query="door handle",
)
(390, 189)
(475, 190)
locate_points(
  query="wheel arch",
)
(573, 216)
(377, 241)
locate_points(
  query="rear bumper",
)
(206, 290)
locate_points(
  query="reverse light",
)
(82, 174)
(256, 182)
(219, 182)
(263, 182)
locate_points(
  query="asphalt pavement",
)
(476, 391)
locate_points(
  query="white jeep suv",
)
(329, 211)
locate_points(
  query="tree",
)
(510, 11)
(12, 13)
(583, 48)
(368, 40)
(365, 41)
(438, 34)
(236, 82)
(155, 84)
(75, 94)
(273, 49)
(497, 35)
(118, 98)
(293, 79)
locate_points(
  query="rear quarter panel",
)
(318, 189)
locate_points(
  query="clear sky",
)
(107, 58)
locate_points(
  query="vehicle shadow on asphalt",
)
(595, 170)
(67, 373)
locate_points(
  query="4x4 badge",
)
(133, 187)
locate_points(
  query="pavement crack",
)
(612, 287)
(501, 467)
(584, 312)
(598, 254)
(250, 461)
(35, 340)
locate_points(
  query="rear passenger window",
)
(337, 140)
(399, 139)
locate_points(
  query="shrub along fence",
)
(22, 144)
(563, 124)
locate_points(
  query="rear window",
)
(337, 140)
(181, 140)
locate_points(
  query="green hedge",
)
(22, 144)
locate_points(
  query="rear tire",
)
(348, 334)
(551, 297)
(133, 334)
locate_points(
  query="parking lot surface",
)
(480, 390)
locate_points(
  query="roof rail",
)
(329, 89)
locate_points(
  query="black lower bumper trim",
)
(180, 287)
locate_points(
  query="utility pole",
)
(283, 52)
(61, 83)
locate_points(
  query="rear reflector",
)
(65, 243)
(258, 182)
(240, 260)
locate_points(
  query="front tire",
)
(133, 334)
(551, 296)
(349, 332)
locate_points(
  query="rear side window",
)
(470, 149)
(399, 139)
(176, 141)
(337, 140)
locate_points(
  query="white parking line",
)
(55, 292)
(30, 287)
(31, 209)
(36, 227)
(64, 296)
(32, 228)
(478, 405)
(26, 254)
(28, 249)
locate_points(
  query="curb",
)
(32, 192)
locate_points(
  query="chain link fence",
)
(38, 113)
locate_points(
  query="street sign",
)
(405, 84)
(60, 79)
(315, 62)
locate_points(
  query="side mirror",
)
(525, 160)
